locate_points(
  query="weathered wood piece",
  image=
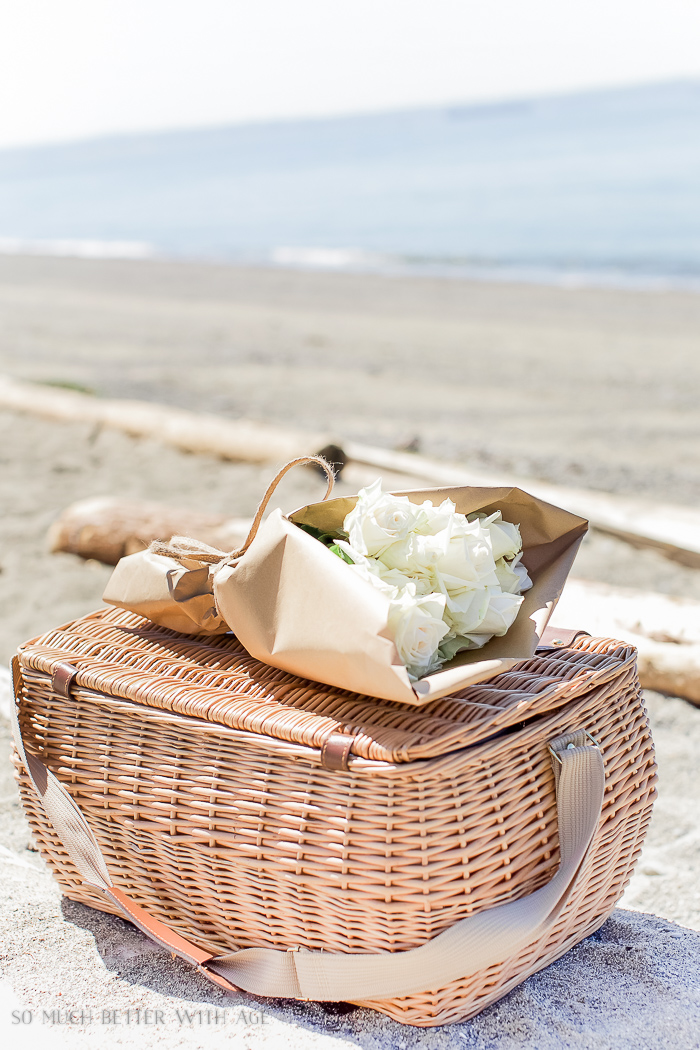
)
(671, 529)
(237, 439)
(665, 630)
(108, 529)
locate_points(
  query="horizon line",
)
(318, 118)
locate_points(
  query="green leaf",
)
(329, 539)
(312, 531)
(335, 549)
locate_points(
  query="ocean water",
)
(601, 187)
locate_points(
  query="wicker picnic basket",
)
(295, 840)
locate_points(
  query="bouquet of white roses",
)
(430, 573)
(454, 581)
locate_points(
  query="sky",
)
(72, 69)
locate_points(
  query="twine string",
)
(183, 547)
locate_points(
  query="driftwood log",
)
(108, 529)
(601, 608)
(665, 630)
(237, 439)
(673, 530)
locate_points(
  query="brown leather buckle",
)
(336, 751)
(62, 679)
(554, 638)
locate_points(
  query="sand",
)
(592, 388)
(589, 387)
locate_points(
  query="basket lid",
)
(214, 678)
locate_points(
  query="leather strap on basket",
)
(559, 637)
(82, 847)
(471, 945)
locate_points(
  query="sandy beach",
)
(590, 387)
(584, 387)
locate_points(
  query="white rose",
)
(390, 581)
(512, 575)
(464, 556)
(417, 627)
(452, 581)
(465, 610)
(501, 612)
(379, 519)
(437, 518)
(468, 557)
(414, 555)
(505, 536)
(362, 569)
(449, 646)
(467, 552)
(395, 578)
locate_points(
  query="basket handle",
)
(469, 946)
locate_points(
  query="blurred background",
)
(504, 141)
(467, 230)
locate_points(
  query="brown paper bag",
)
(293, 603)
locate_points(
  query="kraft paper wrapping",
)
(295, 605)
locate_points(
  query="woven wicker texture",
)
(216, 679)
(199, 771)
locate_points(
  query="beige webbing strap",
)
(470, 945)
